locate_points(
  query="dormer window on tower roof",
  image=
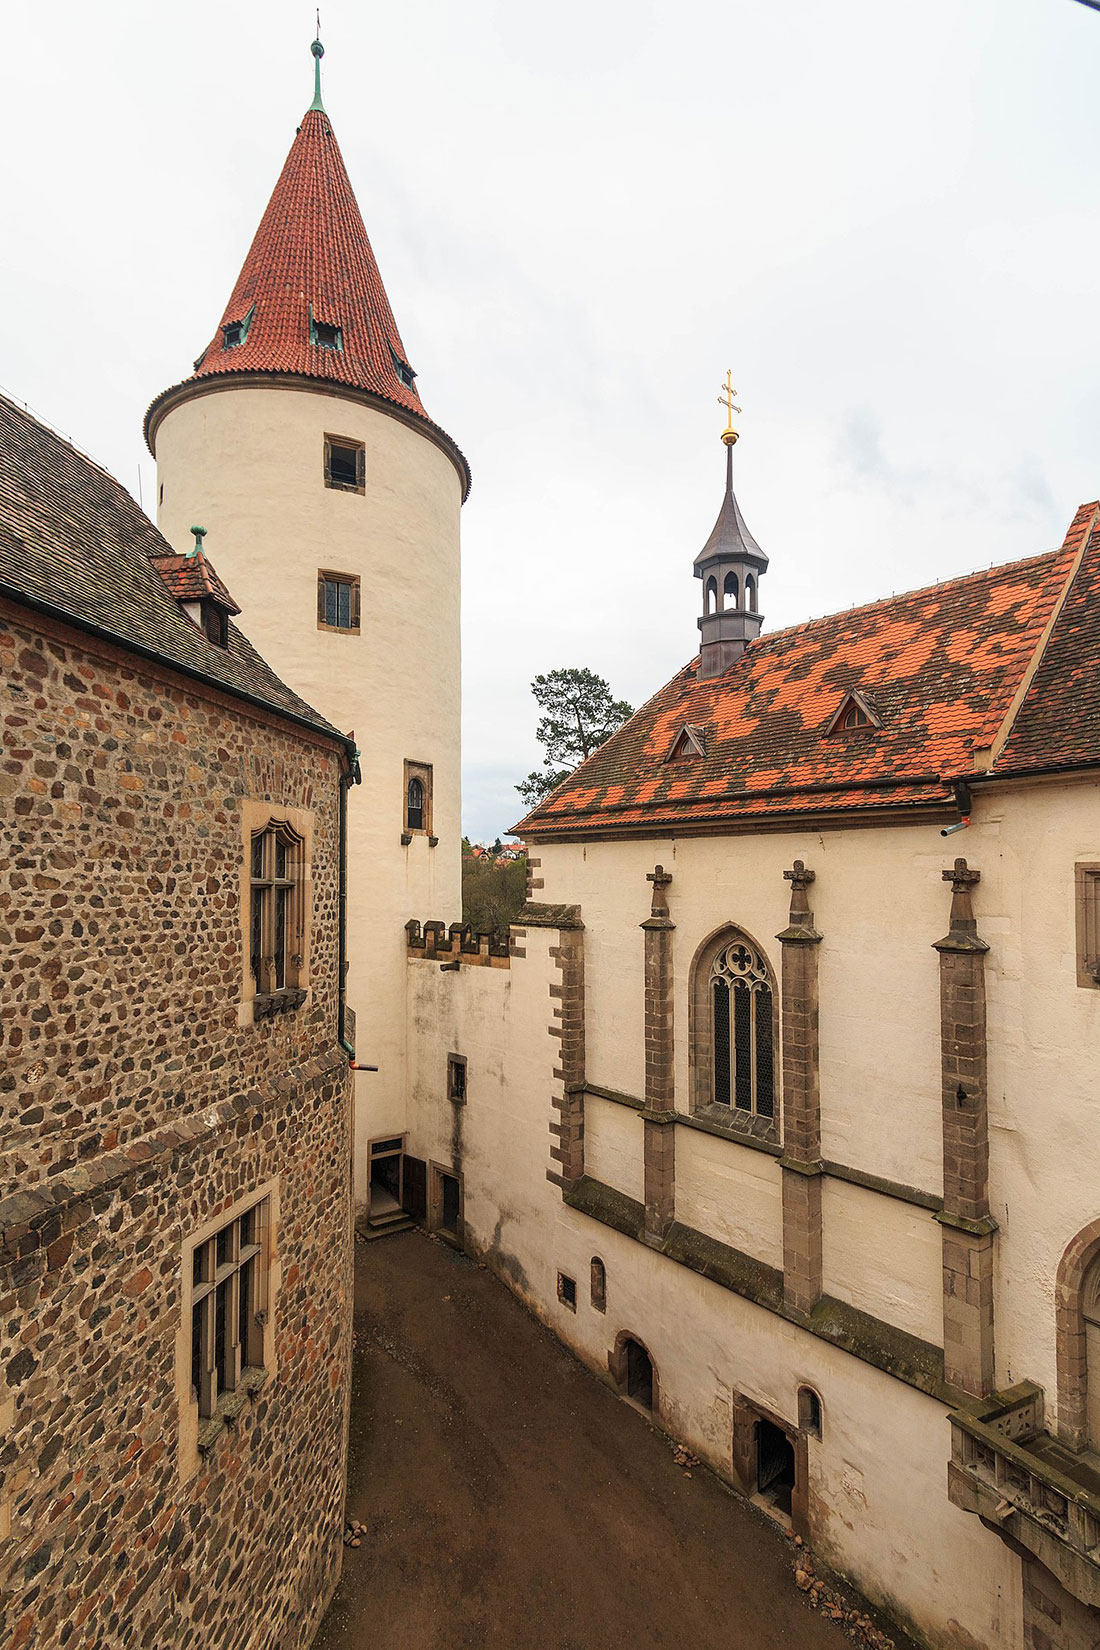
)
(234, 333)
(403, 370)
(325, 334)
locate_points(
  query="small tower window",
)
(325, 334)
(345, 464)
(338, 601)
(710, 601)
(809, 1411)
(456, 1078)
(729, 590)
(750, 592)
(418, 800)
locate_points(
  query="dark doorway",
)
(385, 1210)
(774, 1466)
(639, 1375)
(451, 1211)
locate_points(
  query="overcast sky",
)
(884, 217)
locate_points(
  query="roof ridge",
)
(23, 409)
(904, 595)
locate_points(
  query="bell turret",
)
(730, 565)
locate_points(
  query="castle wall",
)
(247, 462)
(140, 1107)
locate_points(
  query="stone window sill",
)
(265, 1004)
(230, 1405)
(740, 1125)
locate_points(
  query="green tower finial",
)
(318, 52)
(196, 548)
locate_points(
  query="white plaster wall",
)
(879, 901)
(613, 1137)
(884, 1256)
(247, 463)
(730, 1192)
(1044, 1061)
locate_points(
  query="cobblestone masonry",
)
(135, 1108)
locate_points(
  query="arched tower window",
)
(710, 599)
(750, 592)
(734, 1052)
(729, 590)
(414, 813)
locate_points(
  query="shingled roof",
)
(949, 671)
(74, 543)
(311, 262)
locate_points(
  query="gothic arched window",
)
(750, 592)
(415, 811)
(734, 1042)
(710, 599)
(741, 1010)
(729, 590)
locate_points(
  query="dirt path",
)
(512, 1501)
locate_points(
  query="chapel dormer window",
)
(215, 623)
(854, 714)
(855, 717)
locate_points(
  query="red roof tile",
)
(192, 577)
(943, 668)
(311, 252)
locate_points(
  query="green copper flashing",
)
(318, 52)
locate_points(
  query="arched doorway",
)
(639, 1374)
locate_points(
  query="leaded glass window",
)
(275, 880)
(227, 1307)
(743, 1073)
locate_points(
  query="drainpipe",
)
(965, 803)
(352, 777)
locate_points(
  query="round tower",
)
(331, 506)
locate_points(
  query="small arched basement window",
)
(809, 1411)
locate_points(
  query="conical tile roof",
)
(311, 261)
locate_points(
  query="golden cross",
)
(727, 396)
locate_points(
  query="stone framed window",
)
(338, 601)
(456, 1078)
(598, 1284)
(225, 1345)
(1086, 879)
(809, 1411)
(276, 908)
(345, 464)
(734, 1052)
(418, 801)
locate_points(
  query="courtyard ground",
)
(512, 1500)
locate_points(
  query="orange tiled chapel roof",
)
(947, 670)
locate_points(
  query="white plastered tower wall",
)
(246, 461)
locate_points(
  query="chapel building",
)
(175, 1093)
(781, 1112)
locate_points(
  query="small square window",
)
(345, 464)
(567, 1291)
(1087, 881)
(337, 601)
(234, 333)
(456, 1078)
(403, 370)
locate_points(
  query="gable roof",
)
(192, 577)
(311, 260)
(948, 669)
(74, 544)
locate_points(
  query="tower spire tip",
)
(318, 52)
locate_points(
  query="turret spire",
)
(318, 52)
(730, 564)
